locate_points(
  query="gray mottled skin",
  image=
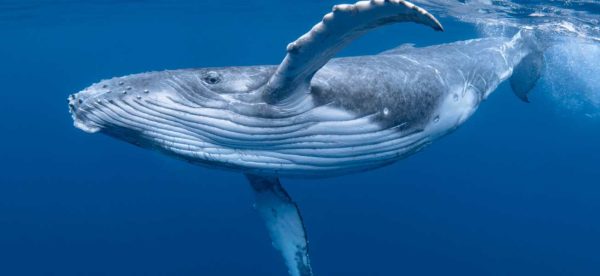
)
(311, 116)
(359, 113)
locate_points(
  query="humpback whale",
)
(313, 115)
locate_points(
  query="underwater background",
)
(515, 191)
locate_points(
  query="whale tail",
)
(526, 74)
(529, 70)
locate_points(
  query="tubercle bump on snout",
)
(74, 103)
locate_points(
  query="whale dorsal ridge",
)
(345, 23)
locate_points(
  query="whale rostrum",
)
(313, 115)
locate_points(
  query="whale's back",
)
(400, 91)
(409, 83)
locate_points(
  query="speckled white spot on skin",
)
(452, 113)
(239, 85)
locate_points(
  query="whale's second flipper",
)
(284, 222)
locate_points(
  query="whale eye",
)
(211, 77)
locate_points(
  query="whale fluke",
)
(345, 23)
(284, 222)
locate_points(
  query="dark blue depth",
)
(515, 191)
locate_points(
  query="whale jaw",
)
(86, 128)
(79, 120)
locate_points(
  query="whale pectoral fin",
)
(345, 23)
(284, 222)
(526, 74)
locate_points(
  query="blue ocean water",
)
(515, 191)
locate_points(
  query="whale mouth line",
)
(86, 128)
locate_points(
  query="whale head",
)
(179, 112)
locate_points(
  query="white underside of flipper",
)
(283, 220)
